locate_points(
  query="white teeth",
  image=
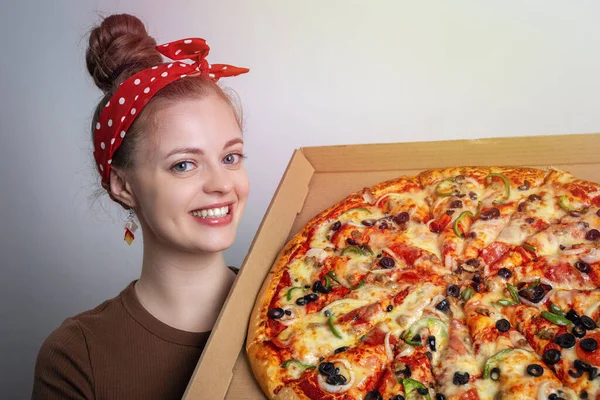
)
(211, 212)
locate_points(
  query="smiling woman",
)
(169, 148)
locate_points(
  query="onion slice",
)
(574, 252)
(320, 254)
(591, 257)
(337, 388)
(388, 349)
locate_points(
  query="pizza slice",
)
(503, 197)
(455, 198)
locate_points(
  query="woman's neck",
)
(181, 289)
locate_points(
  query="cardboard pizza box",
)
(318, 177)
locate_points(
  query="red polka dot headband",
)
(133, 94)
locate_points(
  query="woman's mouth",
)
(216, 215)
(216, 212)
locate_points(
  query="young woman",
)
(168, 147)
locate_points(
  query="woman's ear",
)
(120, 188)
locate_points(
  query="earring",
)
(130, 228)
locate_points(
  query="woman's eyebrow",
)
(232, 142)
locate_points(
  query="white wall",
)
(323, 72)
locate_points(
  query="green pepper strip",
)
(289, 292)
(555, 318)
(513, 292)
(331, 274)
(410, 386)
(327, 281)
(506, 187)
(565, 204)
(555, 310)
(535, 283)
(424, 323)
(496, 357)
(298, 363)
(506, 302)
(333, 328)
(528, 247)
(353, 248)
(467, 293)
(366, 249)
(457, 222)
(413, 342)
(438, 189)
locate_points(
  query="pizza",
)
(459, 283)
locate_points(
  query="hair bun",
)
(118, 48)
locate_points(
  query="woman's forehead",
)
(207, 123)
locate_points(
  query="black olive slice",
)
(301, 301)
(535, 370)
(461, 378)
(587, 322)
(452, 291)
(336, 225)
(443, 306)
(401, 218)
(566, 340)
(504, 273)
(572, 316)
(311, 297)
(327, 368)
(340, 349)
(551, 356)
(373, 395)
(583, 267)
(275, 313)
(495, 374)
(387, 262)
(592, 234)
(456, 204)
(431, 342)
(578, 331)
(589, 344)
(503, 325)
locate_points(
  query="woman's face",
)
(189, 182)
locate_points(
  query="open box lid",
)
(316, 178)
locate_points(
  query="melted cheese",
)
(419, 235)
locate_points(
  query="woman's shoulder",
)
(62, 365)
(63, 360)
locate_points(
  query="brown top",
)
(118, 350)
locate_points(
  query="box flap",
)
(531, 150)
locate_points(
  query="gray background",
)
(323, 72)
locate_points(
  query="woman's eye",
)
(232, 158)
(183, 166)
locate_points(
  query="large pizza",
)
(458, 283)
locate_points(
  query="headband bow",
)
(133, 94)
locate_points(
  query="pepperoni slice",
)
(593, 357)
